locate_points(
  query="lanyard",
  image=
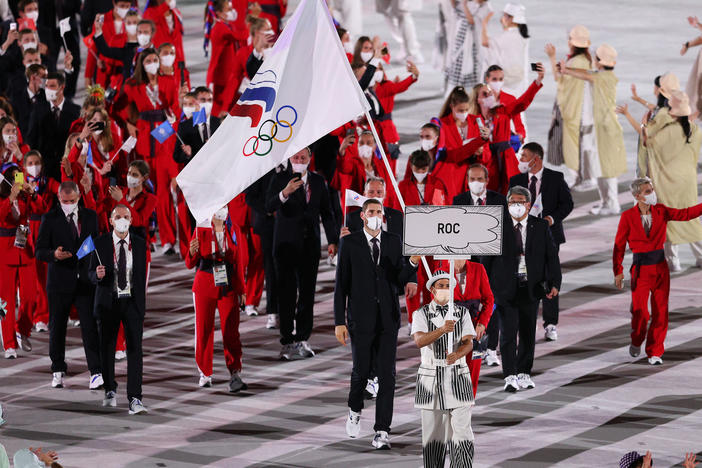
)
(218, 255)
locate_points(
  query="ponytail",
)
(457, 96)
(524, 30)
(684, 121)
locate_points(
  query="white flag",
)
(354, 199)
(304, 89)
(129, 144)
(64, 26)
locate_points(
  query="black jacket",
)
(491, 198)
(362, 287)
(124, 54)
(395, 220)
(296, 218)
(105, 294)
(191, 137)
(263, 221)
(543, 267)
(555, 198)
(65, 275)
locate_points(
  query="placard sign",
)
(455, 230)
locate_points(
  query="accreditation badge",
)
(219, 272)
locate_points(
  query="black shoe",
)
(236, 384)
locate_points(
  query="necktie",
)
(308, 193)
(122, 266)
(518, 240)
(532, 188)
(442, 309)
(481, 201)
(57, 113)
(376, 250)
(74, 229)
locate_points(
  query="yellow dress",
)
(672, 166)
(570, 102)
(610, 136)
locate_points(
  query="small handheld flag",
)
(64, 27)
(354, 199)
(199, 117)
(163, 132)
(86, 247)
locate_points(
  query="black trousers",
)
(518, 318)
(550, 306)
(59, 311)
(374, 349)
(269, 271)
(493, 330)
(123, 311)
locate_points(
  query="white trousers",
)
(402, 29)
(447, 428)
(607, 186)
(671, 252)
(349, 16)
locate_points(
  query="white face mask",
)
(365, 151)
(151, 68)
(29, 45)
(34, 171)
(131, 29)
(301, 168)
(476, 187)
(461, 116)
(651, 199)
(188, 111)
(232, 15)
(348, 47)
(9, 139)
(97, 132)
(517, 211)
(523, 166)
(121, 224)
(374, 223)
(221, 214)
(133, 182)
(366, 56)
(496, 86)
(51, 94)
(420, 176)
(121, 12)
(442, 296)
(207, 106)
(168, 60)
(427, 143)
(489, 102)
(69, 208)
(33, 15)
(143, 39)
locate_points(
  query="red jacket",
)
(385, 91)
(273, 11)
(114, 38)
(221, 67)
(477, 287)
(434, 191)
(9, 254)
(352, 165)
(46, 195)
(235, 255)
(631, 230)
(452, 169)
(158, 14)
(507, 100)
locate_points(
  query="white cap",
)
(517, 11)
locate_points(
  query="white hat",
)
(438, 275)
(607, 55)
(579, 36)
(669, 83)
(679, 104)
(517, 11)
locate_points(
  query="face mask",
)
(221, 214)
(29, 45)
(151, 68)
(231, 15)
(348, 47)
(489, 102)
(207, 106)
(168, 60)
(365, 151)
(133, 182)
(97, 132)
(651, 198)
(34, 171)
(188, 111)
(517, 211)
(9, 139)
(420, 176)
(461, 116)
(33, 15)
(476, 188)
(301, 168)
(121, 224)
(442, 296)
(524, 166)
(378, 76)
(143, 39)
(131, 29)
(121, 12)
(69, 208)
(496, 86)
(427, 144)
(51, 94)
(374, 223)
(366, 56)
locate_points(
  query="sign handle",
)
(451, 315)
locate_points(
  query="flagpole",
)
(98, 256)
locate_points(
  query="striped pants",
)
(442, 428)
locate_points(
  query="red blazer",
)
(222, 38)
(435, 192)
(46, 196)
(631, 230)
(507, 100)
(452, 169)
(113, 38)
(157, 14)
(385, 91)
(280, 7)
(7, 157)
(9, 254)
(477, 287)
(141, 208)
(352, 165)
(236, 256)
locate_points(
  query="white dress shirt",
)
(482, 196)
(128, 251)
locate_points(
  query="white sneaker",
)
(168, 249)
(57, 380)
(73, 323)
(41, 327)
(205, 381)
(595, 210)
(304, 350)
(24, 343)
(585, 185)
(372, 387)
(491, 358)
(409, 329)
(136, 406)
(251, 311)
(353, 424)
(110, 399)
(272, 321)
(634, 351)
(381, 441)
(675, 265)
(655, 360)
(525, 382)
(120, 355)
(10, 353)
(511, 384)
(551, 333)
(96, 382)
(610, 210)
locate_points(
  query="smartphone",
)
(97, 126)
(19, 177)
(535, 67)
(297, 175)
(384, 51)
(113, 181)
(13, 26)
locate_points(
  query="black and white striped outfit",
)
(444, 393)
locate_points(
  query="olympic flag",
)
(304, 89)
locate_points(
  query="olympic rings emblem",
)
(268, 133)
